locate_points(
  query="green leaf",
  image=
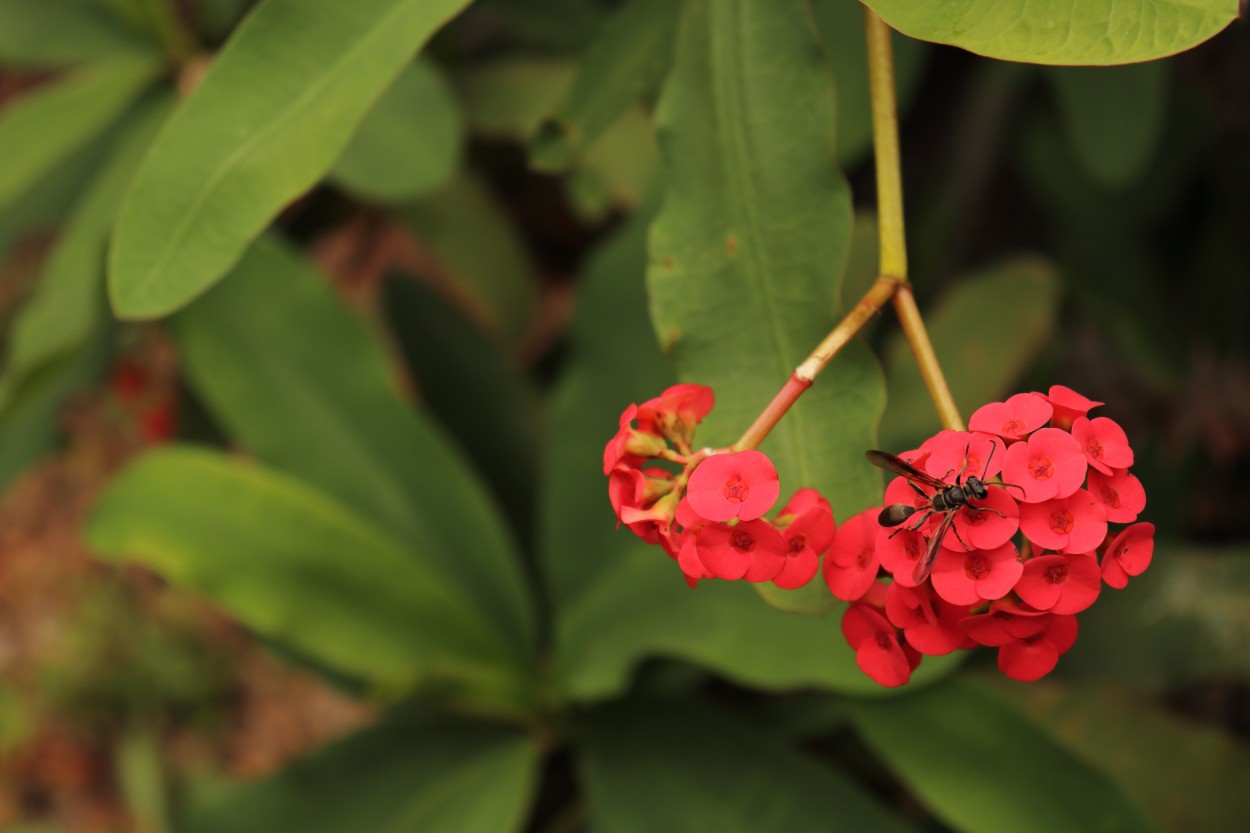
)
(466, 382)
(615, 172)
(681, 767)
(980, 766)
(68, 304)
(841, 28)
(614, 361)
(302, 383)
(402, 776)
(409, 144)
(1059, 31)
(1186, 777)
(746, 259)
(1182, 621)
(53, 32)
(275, 110)
(299, 568)
(624, 63)
(1113, 116)
(40, 129)
(628, 601)
(640, 607)
(508, 97)
(28, 423)
(496, 285)
(986, 332)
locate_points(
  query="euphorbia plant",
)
(939, 592)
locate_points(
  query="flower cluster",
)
(962, 581)
(706, 507)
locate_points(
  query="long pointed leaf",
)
(399, 777)
(748, 253)
(303, 384)
(273, 113)
(41, 128)
(301, 569)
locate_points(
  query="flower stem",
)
(892, 282)
(890, 217)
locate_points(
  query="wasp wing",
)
(890, 462)
(925, 564)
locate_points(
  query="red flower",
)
(726, 486)
(1128, 555)
(930, 623)
(806, 536)
(898, 550)
(1049, 464)
(1120, 493)
(1014, 419)
(966, 578)
(1060, 583)
(629, 446)
(1077, 523)
(851, 565)
(1068, 405)
(750, 550)
(1033, 657)
(963, 454)
(878, 652)
(677, 411)
(1006, 620)
(985, 530)
(1104, 442)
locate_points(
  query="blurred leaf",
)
(551, 24)
(679, 767)
(464, 380)
(841, 29)
(140, 775)
(986, 332)
(295, 566)
(746, 258)
(277, 107)
(29, 422)
(47, 201)
(216, 18)
(302, 383)
(496, 285)
(398, 777)
(52, 32)
(1060, 31)
(640, 607)
(1183, 620)
(1186, 777)
(624, 63)
(614, 361)
(41, 128)
(508, 97)
(615, 172)
(620, 601)
(979, 766)
(862, 264)
(409, 144)
(68, 303)
(1113, 116)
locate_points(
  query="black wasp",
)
(948, 498)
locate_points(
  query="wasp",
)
(948, 498)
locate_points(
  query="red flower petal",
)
(1068, 405)
(726, 486)
(1060, 583)
(1120, 493)
(1073, 524)
(964, 454)
(982, 528)
(1128, 555)
(1013, 419)
(965, 578)
(851, 565)
(1049, 464)
(1104, 442)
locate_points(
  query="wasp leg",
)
(972, 508)
(915, 526)
(964, 543)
